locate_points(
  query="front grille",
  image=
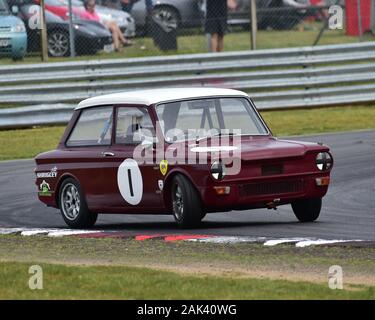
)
(6, 49)
(272, 169)
(268, 188)
(4, 29)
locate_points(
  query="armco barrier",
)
(275, 79)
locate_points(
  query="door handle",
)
(108, 154)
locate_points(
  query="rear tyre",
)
(307, 210)
(73, 206)
(186, 203)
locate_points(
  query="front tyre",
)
(58, 44)
(307, 210)
(186, 203)
(73, 206)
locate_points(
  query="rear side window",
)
(94, 128)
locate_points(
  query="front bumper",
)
(91, 45)
(128, 28)
(17, 45)
(261, 192)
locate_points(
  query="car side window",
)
(94, 128)
(133, 125)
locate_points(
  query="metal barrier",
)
(275, 79)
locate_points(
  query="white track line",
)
(63, 233)
(275, 242)
(229, 239)
(307, 243)
(10, 230)
(50, 232)
(299, 242)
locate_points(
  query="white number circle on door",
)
(130, 183)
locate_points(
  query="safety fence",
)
(108, 29)
(275, 79)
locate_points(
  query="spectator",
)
(216, 21)
(90, 14)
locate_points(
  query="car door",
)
(87, 149)
(132, 183)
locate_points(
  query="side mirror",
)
(15, 9)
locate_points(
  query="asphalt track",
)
(348, 209)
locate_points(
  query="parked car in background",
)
(275, 14)
(174, 13)
(89, 36)
(123, 19)
(13, 37)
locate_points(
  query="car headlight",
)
(19, 27)
(324, 161)
(218, 170)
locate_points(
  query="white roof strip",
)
(153, 96)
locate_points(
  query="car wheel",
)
(307, 210)
(186, 204)
(73, 206)
(167, 16)
(58, 44)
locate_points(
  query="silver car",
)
(123, 19)
(275, 14)
(175, 13)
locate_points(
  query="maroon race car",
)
(186, 152)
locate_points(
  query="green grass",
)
(99, 282)
(321, 120)
(191, 258)
(144, 47)
(21, 144)
(26, 143)
(110, 268)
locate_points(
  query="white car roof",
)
(153, 96)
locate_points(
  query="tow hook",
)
(273, 204)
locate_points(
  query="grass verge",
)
(98, 282)
(21, 144)
(115, 269)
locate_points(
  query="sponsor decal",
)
(161, 185)
(163, 167)
(45, 189)
(50, 174)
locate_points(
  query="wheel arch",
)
(64, 177)
(168, 184)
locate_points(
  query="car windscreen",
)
(190, 119)
(3, 8)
